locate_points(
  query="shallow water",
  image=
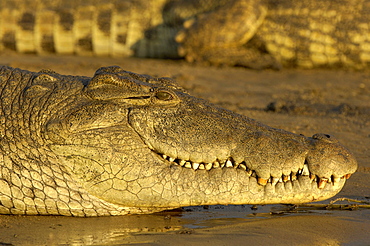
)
(148, 229)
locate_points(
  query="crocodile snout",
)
(328, 159)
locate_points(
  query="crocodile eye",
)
(164, 96)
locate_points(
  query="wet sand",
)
(301, 101)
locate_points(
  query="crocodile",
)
(250, 33)
(125, 143)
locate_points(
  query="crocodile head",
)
(137, 141)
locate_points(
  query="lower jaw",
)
(302, 190)
(233, 186)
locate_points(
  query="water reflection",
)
(54, 230)
(57, 230)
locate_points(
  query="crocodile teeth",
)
(322, 183)
(305, 171)
(293, 176)
(195, 165)
(188, 164)
(242, 166)
(254, 175)
(262, 181)
(300, 170)
(209, 166)
(312, 177)
(274, 181)
(216, 164)
(286, 178)
(229, 163)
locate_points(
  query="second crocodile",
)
(250, 33)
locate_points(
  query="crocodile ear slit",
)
(113, 86)
(111, 69)
(102, 80)
(35, 91)
(114, 83)
(41, 83)
(45, 76)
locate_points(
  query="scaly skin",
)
(88, 27)
(277, 33)
(124, 143)
(251, 33)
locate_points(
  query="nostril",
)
(324, 137)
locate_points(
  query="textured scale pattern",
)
(313, 34)
(31, 180)
(250, 33)
(101, 28)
